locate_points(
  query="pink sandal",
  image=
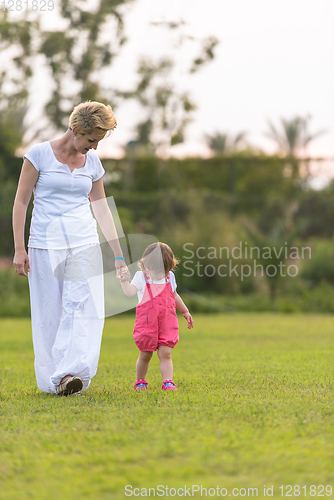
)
(141, 385)
(169, 385)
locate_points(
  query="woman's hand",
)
(21, 262)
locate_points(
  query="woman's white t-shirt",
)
(139, 281)
(62, 217)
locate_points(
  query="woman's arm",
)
(27, 182)
(104, 217)
(106, 222)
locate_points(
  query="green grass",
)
(254, 407)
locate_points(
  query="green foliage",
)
(56, 43)
(296, 298)
(315, 214)
(190, 201)
(19, 33)
(75, 55)
(78, 53)
(207, 54)
(254, 178)
(202, 298)
(9, 175)
(273, 254)
(320, 268)
(68, 55)
(14, 295)
(11, 133)
(166, 110)
(317, 299)
(14, 80)
(8, 191)
(254, 406)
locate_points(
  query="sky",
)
(273, 61)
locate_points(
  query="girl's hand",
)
(122, 271)
(125, 275)
(21, 262)
(189, 318)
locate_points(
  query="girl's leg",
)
(166, 363)
(142, 364)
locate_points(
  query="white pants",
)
(67, 313)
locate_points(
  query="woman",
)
(64, 262)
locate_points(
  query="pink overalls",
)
(156, 320)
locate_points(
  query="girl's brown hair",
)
(157, 255)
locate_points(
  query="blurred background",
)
(225, 134)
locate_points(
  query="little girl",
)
(156, 327)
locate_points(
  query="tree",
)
(292, 141)
(221, 143)
(16, 47)
(166, 110)
(76, 56)
(294, 136)
(272, 256)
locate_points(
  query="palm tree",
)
(294, 136)
(224, 143)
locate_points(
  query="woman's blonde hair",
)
(92, 117)
(158, 257)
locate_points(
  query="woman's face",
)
(84, 142)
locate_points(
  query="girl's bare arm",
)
(183, 309)
(128, 289)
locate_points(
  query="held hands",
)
(21, 262)
(189, 318)
(122, 271)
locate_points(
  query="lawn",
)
(254, 408)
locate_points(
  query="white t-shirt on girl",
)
(139, 281)
(62, 217)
